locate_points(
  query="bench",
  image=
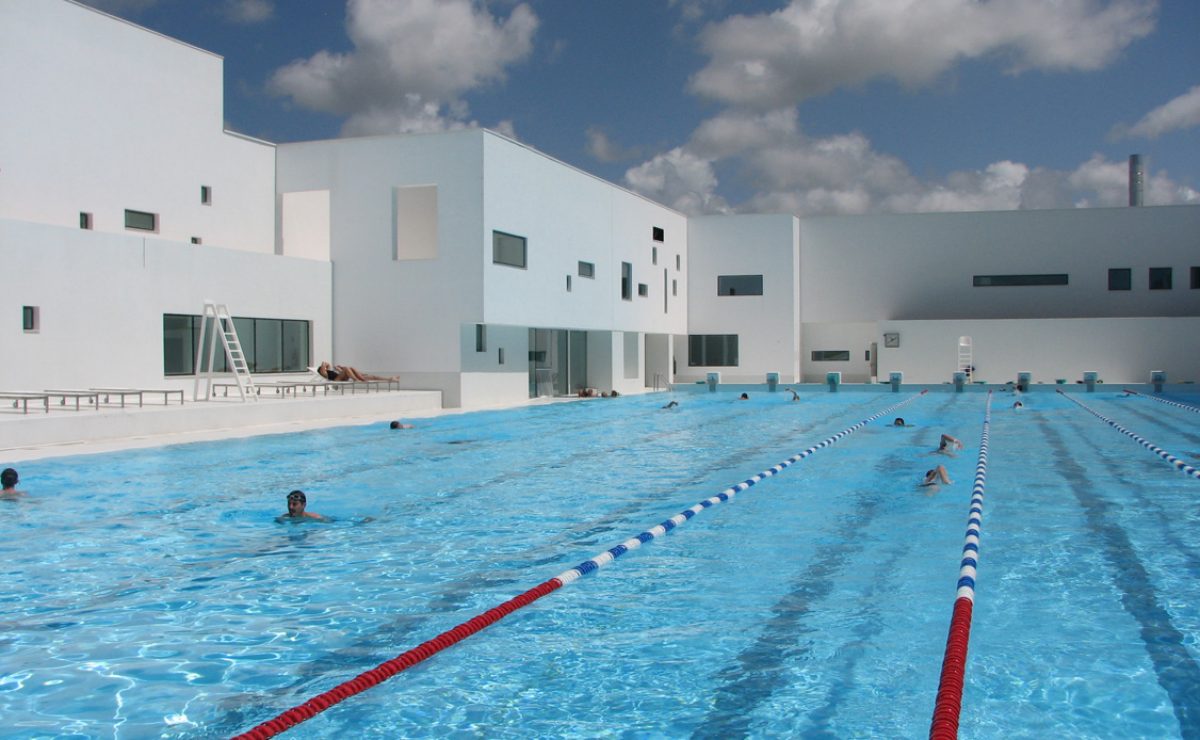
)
(62, 395)
(22, 398)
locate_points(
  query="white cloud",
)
(812, 47)
(248, 11)
(1181, 113)
(789, 172)
(604, 149)
(412, 61)
(678, 179)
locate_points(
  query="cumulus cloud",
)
(604, 149)
(1181, 113)
(789, 172)
(412, 61)
(248, 11)
(812, 47)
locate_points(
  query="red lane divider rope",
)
(384, 671)
(948, 704)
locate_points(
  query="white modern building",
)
(472, 264)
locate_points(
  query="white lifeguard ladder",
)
(966, 361)
(223, 331)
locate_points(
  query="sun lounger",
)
(141, 393)
(21, 399)
(62, 396)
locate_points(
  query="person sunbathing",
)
(345, 372)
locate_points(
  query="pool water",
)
(152, 592)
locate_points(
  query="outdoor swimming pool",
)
(152, 593)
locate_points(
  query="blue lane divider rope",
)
(1193, 409)
(1178, 464)
(633, 543)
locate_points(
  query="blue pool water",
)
(151, 592)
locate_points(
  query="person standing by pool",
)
(8, 483)
(296, 503)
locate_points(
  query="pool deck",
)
(66, 431)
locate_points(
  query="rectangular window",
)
(739, 285)
(986, 281)
(1120, 278)
(508, 249)
(643, 290)
(1195, 278)
(29, 318)
(587, 270)
(141, 220)
(831, 355)
(206, 195)
(480, 338)
(85, 220)
(195, 240)
(1160, 278)
(712, 350)
(678, 262)
(657, 234)
(626, 281)
(270, 345)
(674, 287)
(568, 283)
(654, 255)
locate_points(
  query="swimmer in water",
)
(795, 395)
(399, 425)
(671, 405)
(899, 422)
(296, 503)
(948, 445)
(9, 480)
(935, 476)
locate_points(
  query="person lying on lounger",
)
(345, 372)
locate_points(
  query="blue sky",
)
(712, 106)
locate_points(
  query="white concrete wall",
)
(102, 297)
(920, 266)
(1122, 350)
(101, 116)
(853, 337)
(568, 216)
(768, 325)
(397, 316)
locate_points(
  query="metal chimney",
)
(1137, 178)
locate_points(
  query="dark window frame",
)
(1120, 278)
(739, 285)
(587, 270)
(250, 345)
(497, 237)
(713, 350)
(831, 355)
(1010, 281)
(131, 217)
(1161, 278)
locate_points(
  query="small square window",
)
(1160, 278)
(85, 220)
(195, 240)
(141, 220)
(643, 290)
(206, 195)
(587, 270)
(30, 318)
(657, 233)
(1120, 278)
(508, 249)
